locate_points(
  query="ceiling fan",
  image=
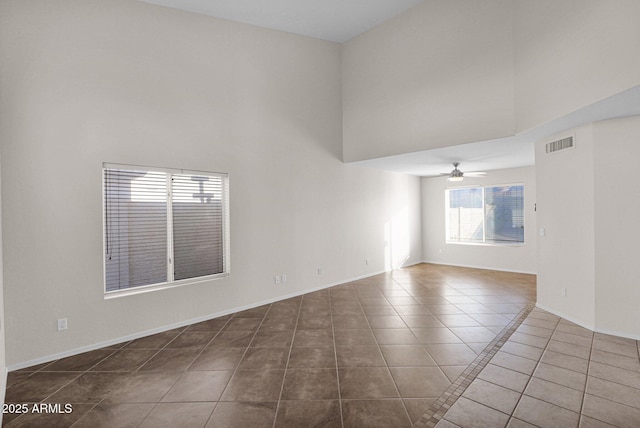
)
(457, 175)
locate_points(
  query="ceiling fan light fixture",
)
(456, 174)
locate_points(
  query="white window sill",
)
(161, 286)
(488, 244)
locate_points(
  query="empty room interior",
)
(389, 213)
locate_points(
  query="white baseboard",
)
(587, 325)
(478, 267)
(94, 346)
(617, 333)
(567, 317)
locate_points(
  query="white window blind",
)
(135, 233)
(491, 215)
(466, 214)
(197, 225)
(504, 214)
(163, 226)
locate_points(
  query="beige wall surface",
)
(571, 54)
(520, 258)
(439, 74)
(451, 72)
(3, 357)
(565, 198)
(87, 82)
(617, 231)
(588, 204)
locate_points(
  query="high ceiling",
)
(333, 20)
(509, 152)
(341, 20)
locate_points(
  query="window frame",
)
(484, 232)
(171, 282)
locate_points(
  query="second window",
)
(489, 215)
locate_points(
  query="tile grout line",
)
(589, 360)
(335, 357)
(586, 381)
(68, 383)
(201, 352)
(194, 360)
(295, 329)
(424, 346)
(239, 361)
(404, 406)
(361, 306)
(436, 412)
(130, 374)
(511, 415)
(187, 369)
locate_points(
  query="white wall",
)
(565, 193)
(439, 74)
(503, 257)
(588, 202)
(122, 81)
(445, 73)
(617, 229)
(570, 54)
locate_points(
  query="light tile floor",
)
(553, 373)
(385, 351)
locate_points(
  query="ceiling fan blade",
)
(475, 174)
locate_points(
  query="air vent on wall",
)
(554, 146)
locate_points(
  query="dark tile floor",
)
(376, 352)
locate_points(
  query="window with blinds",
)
(162, 226)
(488, 215)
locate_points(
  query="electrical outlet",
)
(277, 279)
(366, 261)
(563, 292)
(284, 277)
(319, 271)
(62, 324)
